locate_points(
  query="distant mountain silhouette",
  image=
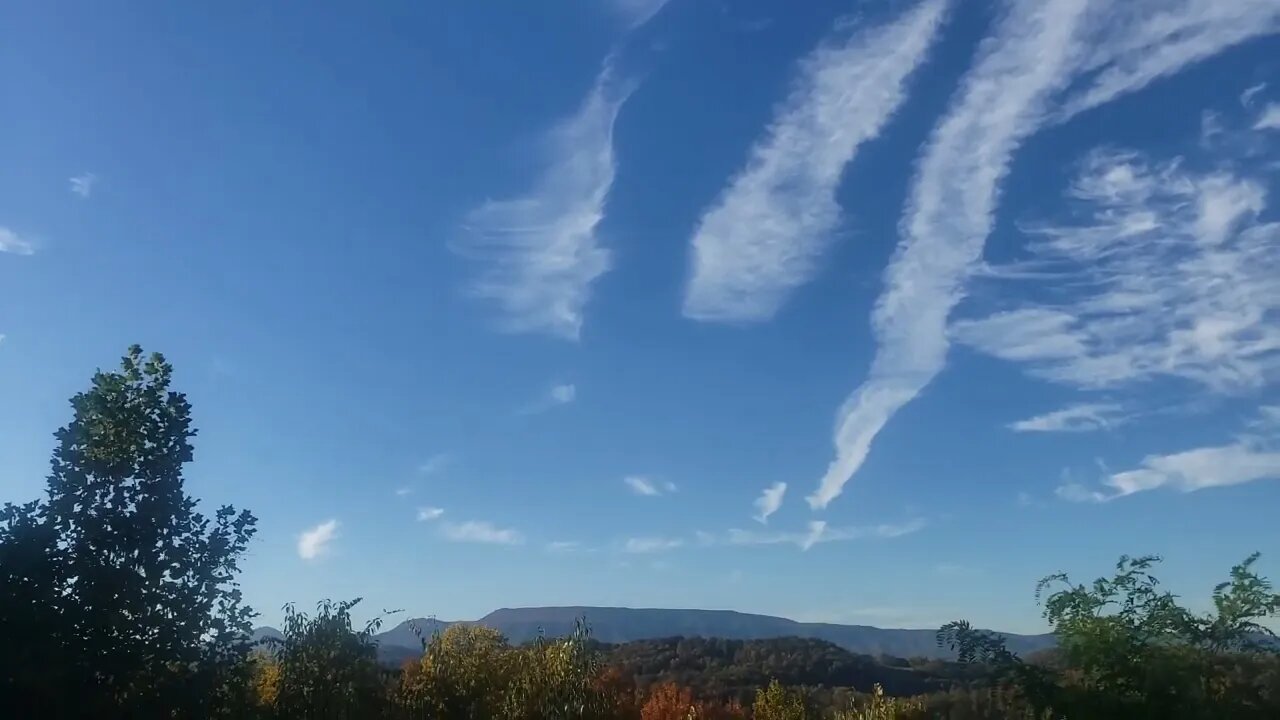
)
(619, 625)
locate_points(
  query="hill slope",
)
(620, 625)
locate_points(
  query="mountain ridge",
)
(622, 624)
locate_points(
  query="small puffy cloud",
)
(402, 491)
(83, 183)
(641, 485)
(563, 394)
(1084, 417)
(426, 514)
(555, 396)
(563, 546)
(12, 242)
(769, 501)
(652, 544)
(315, 542)
(476, 531)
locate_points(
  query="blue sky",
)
(858, 312)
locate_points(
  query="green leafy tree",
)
(463, 673)
(777, 702)
(135, 589)
(559, 679)
(1129, 650)
(327, 670)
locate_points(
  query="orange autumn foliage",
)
(668, 701)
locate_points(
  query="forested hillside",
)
(620, 625)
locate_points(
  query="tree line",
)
(119, 598)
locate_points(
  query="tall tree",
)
(139, 588)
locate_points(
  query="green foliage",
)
(326, 668)
(1129, 650)
(462, 674)
(115, 584)
(119, 600)
(776, 702)
(879, 707)
(734, 669)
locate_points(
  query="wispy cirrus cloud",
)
(427, 514)
(1269, 118)
(434, 464)
(1171, 275)
(1033, 56)
(637, 12)
(540, 251)
(479, 531)
(1246, 97)
(1236, 463)
(818, 531)
(1082, 417)
(1143, 40)
(652, 544)
(765, 234)
(314, 542)
(82, 184)
(769, 501)
(642, 485)
(12, 242)
(948, 217)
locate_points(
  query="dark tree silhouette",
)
(123, 594)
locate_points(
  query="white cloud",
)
(555, 396)
(426, 514)
(1169, 275)
(564, 546)
(563, 394)
(540, 250)
(766, 233)
(652, 544)
(1269, 119)
(637, 12)
(817, 531)
(12, 242)
(1252, 456)
(642, 485)
(1084, 417)
(434, 464)
(476, 531)
(1035, 53)
(402, 491)
(1188, 471)
(1144, 40)
(949, 216)
(769, 501)
(83, 183)
(1246, 97)
(315, 542)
